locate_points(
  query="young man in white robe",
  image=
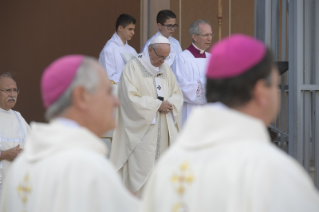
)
(189, 67)
(63, 166)
(166, 23)
(117, 51)
(13, 127)
(149, 116)
(224, 160)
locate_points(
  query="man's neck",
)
(251, 110)
(201, 50)
(123, 40)
(5, 109)
(164, 35)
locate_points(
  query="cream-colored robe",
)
(64, 168)
(224, 161)
(136, 142)
(13, 132)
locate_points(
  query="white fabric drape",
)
(111, 59)
(190, 75)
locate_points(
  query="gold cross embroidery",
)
(181, 179)
(24, 189)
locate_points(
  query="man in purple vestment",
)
(189, 67)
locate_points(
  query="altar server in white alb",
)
(149, 117)
(166, 23)
(13, 127)
(190, 65)
(116, 51)
(63, 166)
(224, 160)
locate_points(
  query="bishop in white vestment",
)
(145, 128)
(63, 166)
(190, 65)
(13, 127)
(223, 160)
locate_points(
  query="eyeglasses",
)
(10, 90)
(159, 57)
(170, 26)
(207, 35)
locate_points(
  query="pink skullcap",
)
(234, 55)
(57, 77)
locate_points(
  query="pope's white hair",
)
(87, 77)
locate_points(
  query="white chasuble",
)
(190, 75)
(175, 48)
(64, 168)
(13, 131)
(224, 161)
(142, 132)
(114, 56)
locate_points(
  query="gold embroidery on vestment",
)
(181, 179)
(24, 189)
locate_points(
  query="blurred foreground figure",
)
(223, 160)
(63, 166)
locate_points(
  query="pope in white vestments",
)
(148, 119)
(63, 166)
(13, 127)
(223, 160)
(190, 65)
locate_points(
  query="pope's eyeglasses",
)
(159, 56)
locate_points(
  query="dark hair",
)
(237, 91)
(124, 20)
(163, 15)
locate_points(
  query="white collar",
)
(67, 122)
(160, 34)
(218, 105)
(145, 60)
(5, 111)
(116, 39)
(201, 51)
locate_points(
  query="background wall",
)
(241, 19)
(34, 33)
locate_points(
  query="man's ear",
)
(159, 26)
(259, 93)
(80, 98)
(194, 37)
(120, 28)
